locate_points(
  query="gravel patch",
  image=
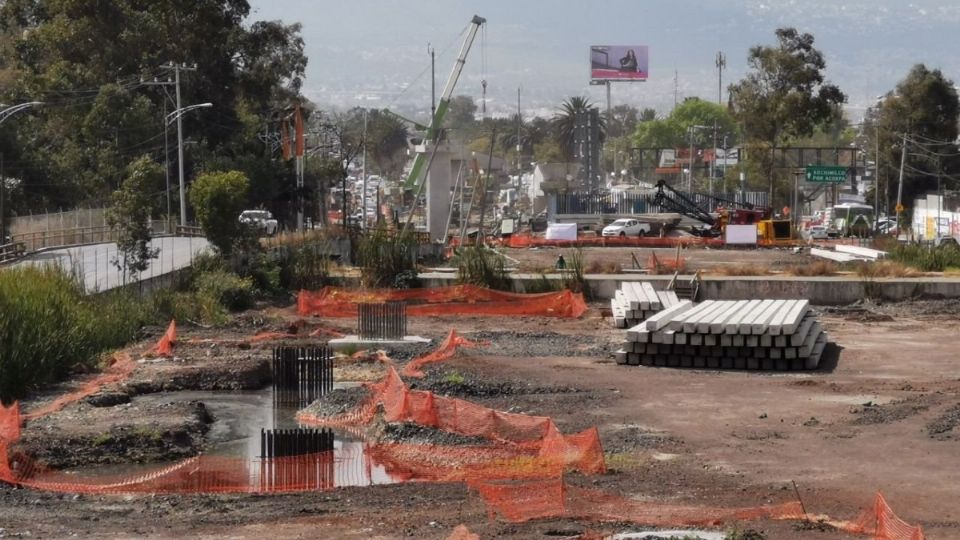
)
(457, 383)
(894, 411)
(416, 434)
(942, 427)
(339, 401)
(541, 344)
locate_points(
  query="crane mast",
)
(434, 130)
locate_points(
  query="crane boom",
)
(434, 131)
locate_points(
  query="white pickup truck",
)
(260, 220)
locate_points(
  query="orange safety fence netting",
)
(455, 300)
(525, 500)
(164, 347)
(400, 404)
(444, 352)
(882, 523)
(121, 366)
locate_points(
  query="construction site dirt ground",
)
(883, 414)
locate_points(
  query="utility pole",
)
(876, 178)
(721, 63)
(675, 87)
(903, 162)
(519, 146)
(363, 169)
(166, 143)
(176, 68)
(433, 81)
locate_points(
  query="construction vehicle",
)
(434, 132)
(726, 212)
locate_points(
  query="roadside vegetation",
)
(478, 265)
(49, 327)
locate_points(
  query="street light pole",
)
(178, 116)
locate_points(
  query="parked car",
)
(260, 220)
(626, 227)
(817, 232)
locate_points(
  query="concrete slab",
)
(355, 341)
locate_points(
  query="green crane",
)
(434, 131)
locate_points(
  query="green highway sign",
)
(824, 174)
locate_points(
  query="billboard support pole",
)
(610, 122)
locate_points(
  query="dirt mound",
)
(870, 413)
(339, 401)
(130, 433)
(941, 428)
(416, 434)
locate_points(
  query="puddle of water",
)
(235, 433)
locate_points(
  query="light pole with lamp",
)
(177, 115)
(4, 115)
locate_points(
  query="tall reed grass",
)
(49, 326)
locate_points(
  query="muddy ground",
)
(885, 416)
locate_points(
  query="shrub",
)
(926, 259)
(816, 268)
(477, 265)
(229, 290)
(49, 326)
(217, 199)
(387, 259)
(742, 270)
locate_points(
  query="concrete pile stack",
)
(636, 301)
(728, 334)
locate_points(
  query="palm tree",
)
(565, 122)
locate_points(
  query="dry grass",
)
(298, 239)
(742, 269)
(597, 267)
(885, 269)
(816, 268)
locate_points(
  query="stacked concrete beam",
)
(636, 301)
(728, 334)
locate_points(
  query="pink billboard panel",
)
(618, 63)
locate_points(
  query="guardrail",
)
(12, 251)
(34, 241)
(187, 230)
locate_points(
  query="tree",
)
(925, 107)
(673, 131)
(565, 122)
(784, 95)
(86, 60)
(461, 117)
(623, 120)
(129, 215)
(218, 198)
(386, 143)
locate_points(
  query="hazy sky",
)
(371, 52)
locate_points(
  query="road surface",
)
(95, 263)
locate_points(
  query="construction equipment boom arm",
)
(675, 201)
(434, 131)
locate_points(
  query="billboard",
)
(618, 63)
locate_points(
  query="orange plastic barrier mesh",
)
(444, 352)
(518, 501)
(455, 300)
(121, 366)
(164, 347)
(9, 433)
(882, 523)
